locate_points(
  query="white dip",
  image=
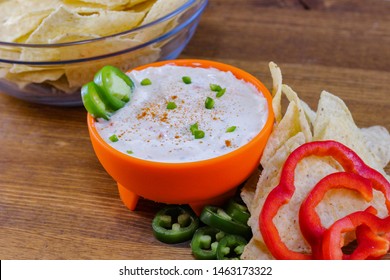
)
(146, 129)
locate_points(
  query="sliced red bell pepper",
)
(371, 246)
(310, 222)
(283, 192)
(372, 237)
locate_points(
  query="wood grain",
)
(57, 202)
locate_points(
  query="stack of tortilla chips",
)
(299, 125)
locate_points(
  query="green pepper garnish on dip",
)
(220, 92)
(209, 103)
(194, 127)
(186, 80)
(146, 82)
(114, 138)
(199, 134)
(215, 87)
(171, 105)
(218, 89)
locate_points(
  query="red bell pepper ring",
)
(373, 243)
(372, 237)
(283, 192)
(310, 222)
(371, 246)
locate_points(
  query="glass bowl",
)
(53, 73)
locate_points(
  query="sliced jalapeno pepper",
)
(218, 218)
(174, 224)
(91, 96)
(237, 211)
(231, 247)
(115, 85)
(205, 241)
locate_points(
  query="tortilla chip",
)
(158, 10)
(269, 178)
(76, 27)
(19, 26)
(276, 74)
(63, 85)
(71, 37)
(162, 8)
(19, 8)
(10, 53)
(334, 121)
(308, 173)
(3, 72)
(63, 21)
(141, 6)
(288, 127)
(106, 3)
(377, 140)
(80, 74)
(36, 76)
(303, 119)
(270, 175)
(248, 191)
(256, 250)
(36, 5)
(309, 113)
(57, 54)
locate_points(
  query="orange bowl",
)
(198, 183)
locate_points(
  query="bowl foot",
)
(129, 198)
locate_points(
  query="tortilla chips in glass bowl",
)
(50, 48)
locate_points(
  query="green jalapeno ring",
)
(218, 218)
(174, 224)
(231, 247)
(205, 241)
(237, 211)
(115, 85)
(91, 96)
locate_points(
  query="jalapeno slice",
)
(231, 247)
(91, 97)
(205, 241)
(237, 211)
(115, 85)
(174, 224)
(218, 218)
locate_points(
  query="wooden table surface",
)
(56, 200)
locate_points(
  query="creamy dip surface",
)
(145, 128)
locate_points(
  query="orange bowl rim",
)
(204, 64)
